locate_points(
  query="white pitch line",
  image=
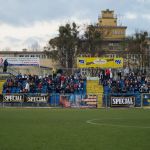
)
(115, 125)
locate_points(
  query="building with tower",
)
(113, 35)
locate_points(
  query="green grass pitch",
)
(74, 129)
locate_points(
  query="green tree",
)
(91, 41)
(65, 45)
(137, 44)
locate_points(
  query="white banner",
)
(20, 61)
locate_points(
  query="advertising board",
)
(122, 101)
(20, 61)
(146, 99)
(13, 98)
(99, 62)
(36, 99)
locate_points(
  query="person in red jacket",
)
(107, 73)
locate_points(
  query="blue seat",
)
(17, 90)
(12, 90)
(44, 90)
(4, 91)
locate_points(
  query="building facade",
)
(46, 63)
(113, 35)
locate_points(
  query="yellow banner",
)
(99, 62)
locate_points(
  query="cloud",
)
(143, 1)
(146, 16)
(23, 22)
(23, 12)
(19, 37)
(131, 16)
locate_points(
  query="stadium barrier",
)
(145, 100)
(114, 100)
(122, 100)
(49, 100)
(24, 100)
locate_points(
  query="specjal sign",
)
(122, 101)
(40, 99)
(13, 98)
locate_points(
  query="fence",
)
(49, 100)
(99, 100)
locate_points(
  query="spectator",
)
(119, 74)
(40, 87)
(5, 65)
(27, 87)
(130, 83)
(33, 83)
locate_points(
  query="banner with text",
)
(36, 98)
(13, 98)
(78, 101)
(146, 99)
(98, 62)
(122, 101)
(20, 61)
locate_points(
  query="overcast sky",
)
(24, 23)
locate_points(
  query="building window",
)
(115, 32)
(111, 44)
(21, 55)
(49, 57)
(43, 56)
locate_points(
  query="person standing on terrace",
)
(5, 65)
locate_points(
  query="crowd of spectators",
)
(112, 81)
(56, 83)
(124, 82)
